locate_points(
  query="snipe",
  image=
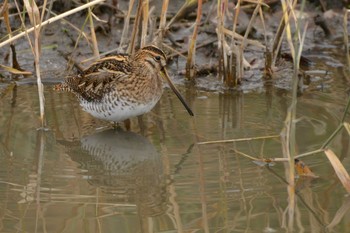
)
(116, 88)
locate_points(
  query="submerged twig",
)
(238, 140)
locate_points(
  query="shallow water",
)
(83, 176)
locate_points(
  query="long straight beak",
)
(177, 93)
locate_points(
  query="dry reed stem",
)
(227, 62)
(233, 61)
(188, 5)
(279, 37)
(243, 44)
(35, 19)
(162, 23)
(51, 20)
(346, 39)
(190, 70)
(95, 49)
(125, 32)
(131, 48)
(289, 139)
(81, 32)
(5, 13)
(339, 169)
(237, 36)
(329, 140)
(261, 14)
(145, 17)
(3, 7)
(248, 156)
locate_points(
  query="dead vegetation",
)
(229, 44)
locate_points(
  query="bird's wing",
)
(113, 63)
(99, 78)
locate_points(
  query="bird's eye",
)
(157, 58)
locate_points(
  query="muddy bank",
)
(323, 52)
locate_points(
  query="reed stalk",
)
(227, 54)
(131, 48)
(276, 45)
(145, 18)
(190, 69)
(346, 38)
(162, 23)
(289, 132)
(35, 20)
(95, 49)
(125, 32)
(244, 40)
(234, 63)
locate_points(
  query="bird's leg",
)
(127, 124)
(115, 125)
(141, 124)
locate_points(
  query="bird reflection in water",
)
(125, 166)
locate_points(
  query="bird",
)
(118, 87)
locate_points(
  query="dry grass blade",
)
(339, 169)
(241, 38)
(33, 11)
(51, 20)
(188, 6)
(14, 70)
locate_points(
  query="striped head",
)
(153, 56)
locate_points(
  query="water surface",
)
(83, 176)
